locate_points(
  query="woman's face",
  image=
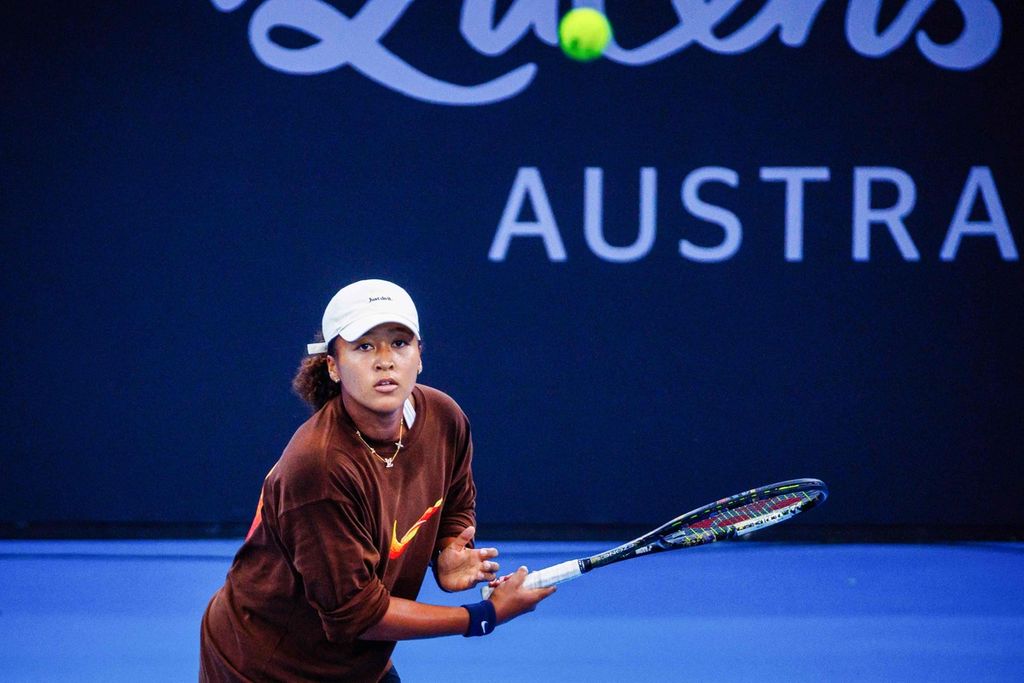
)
(379, 369)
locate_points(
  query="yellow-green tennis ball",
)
(584, 33)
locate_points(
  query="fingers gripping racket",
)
(719, 521)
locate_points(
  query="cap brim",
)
(357, 328)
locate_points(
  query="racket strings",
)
(742, 518)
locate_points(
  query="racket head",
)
(723, 519)
(744, 512)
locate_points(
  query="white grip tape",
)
(559, 573)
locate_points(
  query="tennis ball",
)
(584, 33)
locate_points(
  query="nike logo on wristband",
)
(483, 626)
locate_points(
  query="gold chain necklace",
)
(388, 462)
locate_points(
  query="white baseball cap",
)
(363, 305)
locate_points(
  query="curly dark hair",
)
(312, 382)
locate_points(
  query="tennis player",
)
(375, 487)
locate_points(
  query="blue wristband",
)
(482, 618)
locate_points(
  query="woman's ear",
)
(332, 368)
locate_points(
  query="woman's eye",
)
(365, 347)
(400, 343)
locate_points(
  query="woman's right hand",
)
(511, 599)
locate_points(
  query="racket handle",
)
(549, 576)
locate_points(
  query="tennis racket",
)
(719, 521)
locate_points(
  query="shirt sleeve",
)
(459, 509)
(335, 555)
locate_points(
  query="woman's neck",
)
(372, 425)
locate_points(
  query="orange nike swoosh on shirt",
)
(398, 547)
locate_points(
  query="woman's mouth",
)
(386, 385)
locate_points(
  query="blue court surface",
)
(130, 611)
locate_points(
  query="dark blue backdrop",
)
(184, 188)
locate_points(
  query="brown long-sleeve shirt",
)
(335, 535)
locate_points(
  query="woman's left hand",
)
(459, 567)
